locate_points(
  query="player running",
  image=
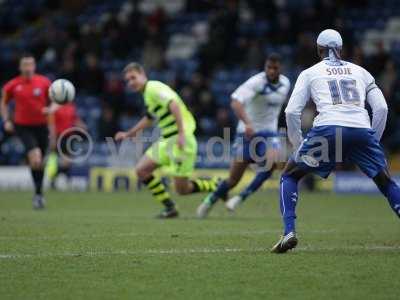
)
(339, 90)
(177, 146)
(257, 104)
(30, 94)
(63, 122)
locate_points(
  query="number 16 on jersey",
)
(344, 91)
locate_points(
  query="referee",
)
(29, 91)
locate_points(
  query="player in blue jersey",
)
(342, 130)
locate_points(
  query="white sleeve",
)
(245, 92)
(298, 100)
(287, 85)
(369, 81)
(379, 107)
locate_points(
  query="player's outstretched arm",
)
(52, 131)
(379, 108)
(142, 124)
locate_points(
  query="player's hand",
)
(181, 141)
(9, 126)
(248, 131)
(121, 135)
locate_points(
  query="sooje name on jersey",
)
(338, 71)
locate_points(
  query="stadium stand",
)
(202, 48)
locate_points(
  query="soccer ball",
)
(62, 91)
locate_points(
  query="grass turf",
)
(109, 246)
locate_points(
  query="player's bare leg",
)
(236, 172)
(237, 169)
(183, 186)
(288, 200)
(35, 160)
(145, 172)
(145, 168)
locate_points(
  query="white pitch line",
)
(97, 253)
(134, 234)
(130, 253)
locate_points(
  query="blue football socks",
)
(288, 201)
(255, 184)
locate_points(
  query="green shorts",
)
(174, 161)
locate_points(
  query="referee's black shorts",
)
(33, 137)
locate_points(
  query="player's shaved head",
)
(273, 67)
(135, 76)
(27, 65)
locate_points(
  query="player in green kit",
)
(176, 148)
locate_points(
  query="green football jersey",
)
(157, 97)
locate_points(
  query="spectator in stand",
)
(92, 76)
(305, 55)
(153, 53)
(378, 61)
(114, 92)
(69, 71)
(358, 56)
(107, 125)
(388, 78)
(90, 39)
(224, 122)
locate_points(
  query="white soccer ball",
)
(62, 91)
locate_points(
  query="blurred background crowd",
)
(202, 48)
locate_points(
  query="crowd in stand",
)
(226, 35)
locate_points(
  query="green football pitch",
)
(109, 246)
